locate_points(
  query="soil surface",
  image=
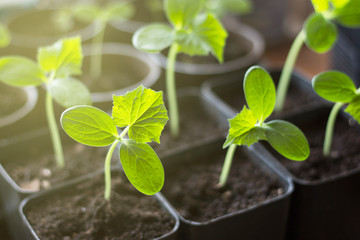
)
(192, 186)
(81, 212)
(11, 99)
(344, 156)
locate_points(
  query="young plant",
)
(220, 8)
(143, 116)
(101, 16)
(192, 32)
(337, 87)
(249, 126)
(56, 64)
(319, 33)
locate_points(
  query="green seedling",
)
(249, 126)
(221, 7)
(5, 37)
(337, 87)
(191, 32)
(142, 115)
(319, 34)
(101, 16)
(55, 66)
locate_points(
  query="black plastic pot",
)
(243, 39)
(345, 56)
(327, 208)
(267, 220)
(42, 198)
(227, 93)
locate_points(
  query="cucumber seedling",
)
(191, 32)
(319, 34)
(55, 66)
(142, 115)
(337, 87)
(249, 126)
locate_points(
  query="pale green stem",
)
(227, 165)
(96, 50)
(287, 70)
(107, 170)
(330, 128)
(54, 131)
(171, 91)
(124, 132)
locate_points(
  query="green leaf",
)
(20, 72)
(89, 125)
(320, 5)
(354, 108)
(348, 14)
(206, 36)
(143, 110)
(287, 139)
(142, 167)
(321, 34)
(182, 12)
(260, 92)
(119, 11)
(86, 12)
(69, 92)
(243, 129)
(5, 36)
(339, 3)
(221, 8)
(334, 86)
(153, 38)
(64, 57)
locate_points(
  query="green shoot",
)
(337, 87)
(101, 16)
(56, 64)
(142, 115)
(192, 32)
(319, 33)
(249, 126)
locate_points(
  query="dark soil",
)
(345, 153)
(32, 165)
(81, 212)
(197, 124)
(11, 99)
(192, 186)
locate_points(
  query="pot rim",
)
(128, 51)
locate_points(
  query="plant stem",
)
(107, 170)
(171, 90)
(96, 50)
(227, 165)
(330, 128)
(287, 70)
(54, 131)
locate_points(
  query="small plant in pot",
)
(142, 116)
(224, 203)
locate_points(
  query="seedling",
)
(319, 33)
(55, 66)
(220, 8)
(249, 126)
(192, 32)
(337, 87)
(143, 115)
(101, 16)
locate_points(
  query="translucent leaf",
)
(69, 92)
(182, 12)
(206, 36)
(143, 110)
(320, 33)
(354, 108)
(153, 38)
(287, 139)
(320, 5)
(64, 57)
(334, 86)
(260, 92)
(89, 125)
(243, 129)
(142, 167)
(20, 72)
